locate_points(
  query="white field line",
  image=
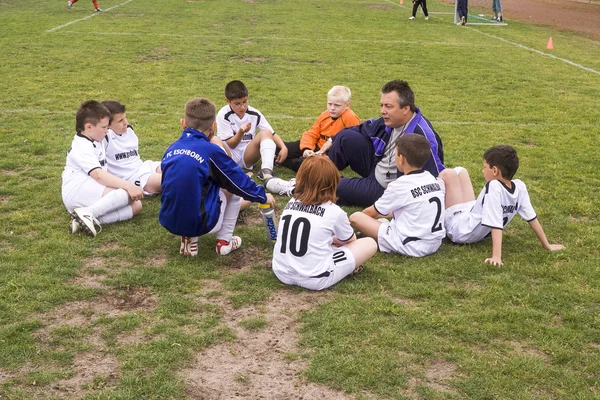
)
(88, 17)
(292, 117)
(276, 38)
(522, 46)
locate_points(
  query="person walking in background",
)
(462, 7)
(416, 4)
(71, 2)
(497, 10)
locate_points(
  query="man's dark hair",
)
(504, 157)
(406, 97)
(235, 90)
(415, 148)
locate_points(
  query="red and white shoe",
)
(189, 246)
(223, 248)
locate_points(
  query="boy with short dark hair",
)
(122, 152)
(90, 193)
(415, 200)
(247, 133)
(469, 220)
(194, 171)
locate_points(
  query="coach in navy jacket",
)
(193, 172)
(370, 148)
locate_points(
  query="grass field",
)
(123, 316)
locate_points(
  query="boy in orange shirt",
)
(317, 139)
(71, 2)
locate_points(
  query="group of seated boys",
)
(203, 185)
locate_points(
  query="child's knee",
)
(354, 218)
(136, 207)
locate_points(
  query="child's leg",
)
(362, 249)
(217, 140)
(458, 186)
(367, 225)
(261, 147)
(153, 184)
(230, 214)
(112, 200)
(95, 4)
(122, 214)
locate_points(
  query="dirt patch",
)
(157, 54)
(249, 1)
(521, 349)
(9, 172)
(90, 281)
(157, 260)
(4, 375)
(256, 365)
(130, 298)
(377, 6)
(4, 198)
(89, 370)
(248, 60)
(247, 257)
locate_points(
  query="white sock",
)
(122, 214)
(267, 153)
(112, 201)
(458, 170)
(230, 215)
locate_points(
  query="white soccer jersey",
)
(417, 202)
(228, 123)
(84, 156)
(495, 207)
(305, 235)
(122, 154)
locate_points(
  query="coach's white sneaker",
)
(223, 248)
(87, 222)
(280, 187)
(189, 246)
(426, 18)
(69, 4)
(411, 18)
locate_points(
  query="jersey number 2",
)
(437, 225)
(300, 226)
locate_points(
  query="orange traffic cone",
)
(550, 45)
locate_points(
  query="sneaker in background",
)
(69, 4)
(223, 248)
(98, 9)
(281, 187)
(411, 18)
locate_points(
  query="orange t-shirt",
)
(326, 127)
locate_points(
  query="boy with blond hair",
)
(90, 193)
(415, 200)
(247, 133)
(317, 140)
(122, 152)
(202, 185)
(470, 220)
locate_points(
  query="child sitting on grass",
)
(91, 194)
(416, 201)
(122, 152)
(316, 246)
(469, 220)
(202, 185)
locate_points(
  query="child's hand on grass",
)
(494, 261)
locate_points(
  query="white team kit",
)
(417, 203)
(303, 254)
(124, 161)
(79, 189)
(228, 123)
(495, 207)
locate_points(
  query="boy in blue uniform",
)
(194, 171)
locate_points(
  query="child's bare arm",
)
(283, 150)
(337, 242)
(539, 232)
(107, 179)
(325, 148)
(496, 258)
(233, 141)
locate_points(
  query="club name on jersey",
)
(185, 152)
(247, 136)
(421, 190)
(510, 209)
(311, 209)
(127, 154)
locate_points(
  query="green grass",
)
(527, 330)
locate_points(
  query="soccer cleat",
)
(74, 226)
(223, 248)
(87, 222)
(280, 187)
(463, 20)
(98, 9)
(500, 19)
(69, 4)
(265, 173)
(411, 18)
(358, 269)
(427, 18)
(189, 246)
(494, 18)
